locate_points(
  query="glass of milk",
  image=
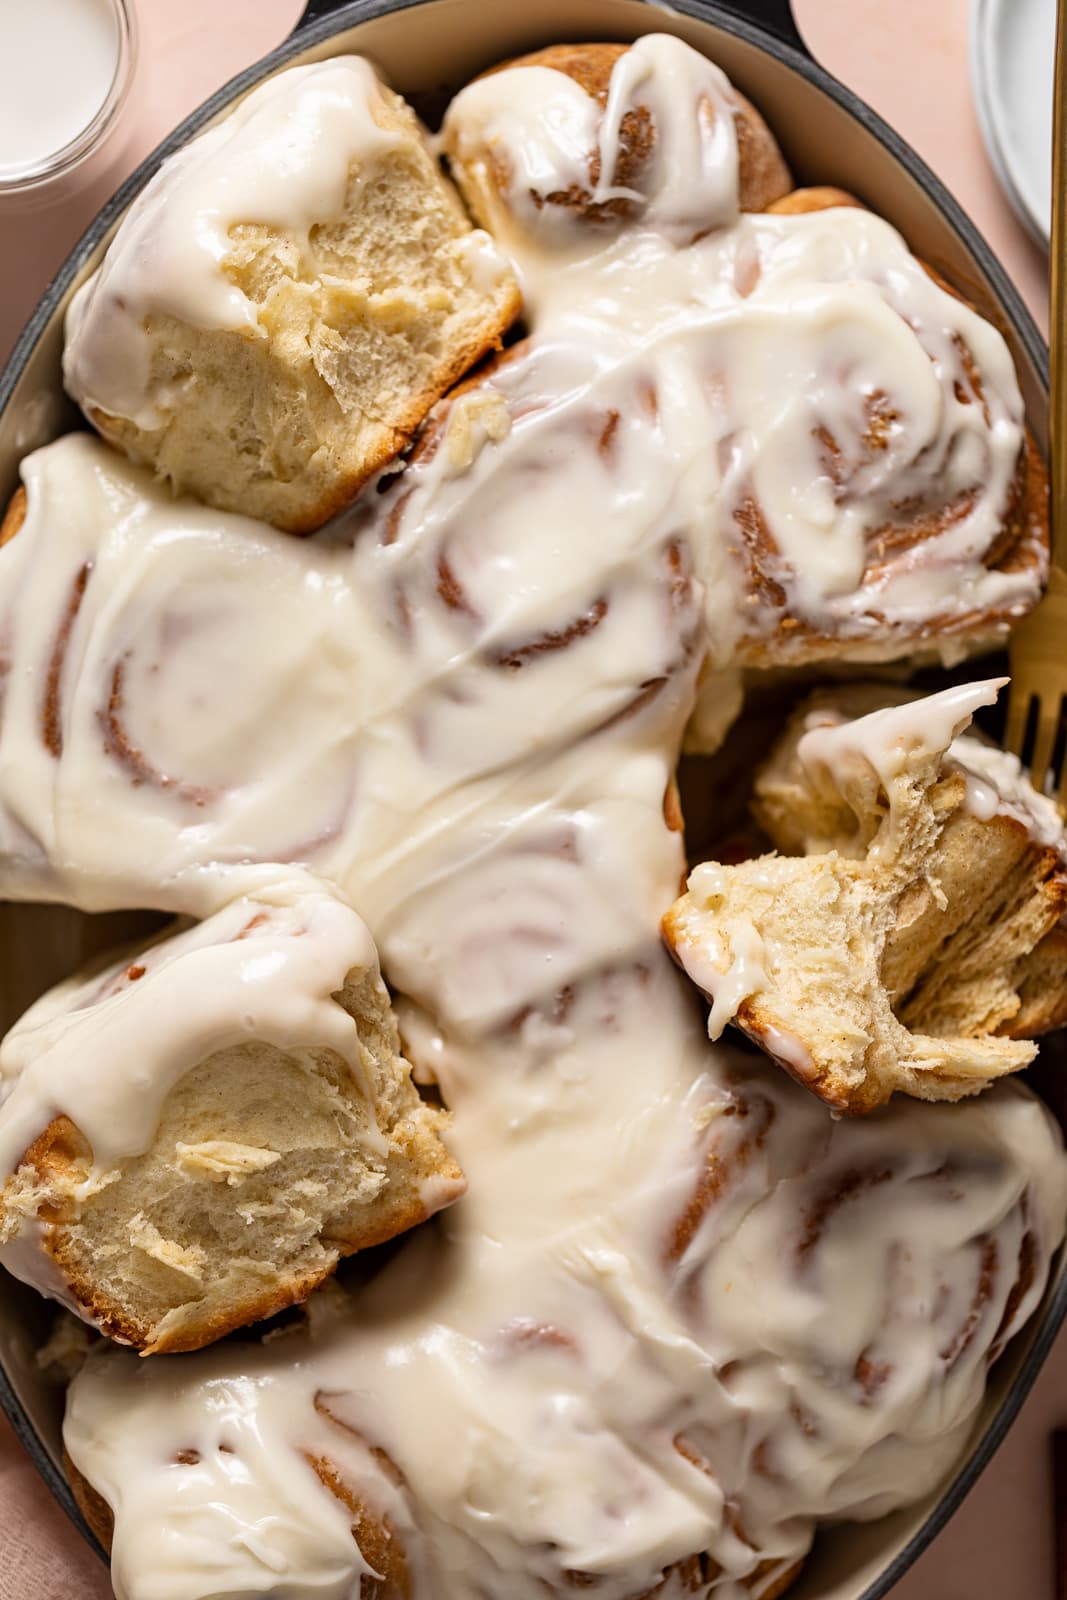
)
(65, 71)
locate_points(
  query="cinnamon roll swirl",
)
(864, 485)
(592, 135)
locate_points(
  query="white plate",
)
(1011, 71)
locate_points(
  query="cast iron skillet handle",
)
(769, 16)
(774, 17)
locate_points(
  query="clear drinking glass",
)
(33, 173)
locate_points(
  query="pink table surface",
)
(908, 58)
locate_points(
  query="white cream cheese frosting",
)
(541, 134)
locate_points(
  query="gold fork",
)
(1039, 645)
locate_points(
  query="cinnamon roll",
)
(597, 135)
(921, 893)
(921, 1228)
(193, 1134)
(854, 467)
(228, 694)
(286, 299)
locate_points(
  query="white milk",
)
(57, 64)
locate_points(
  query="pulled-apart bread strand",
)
(236, 1117)
(916, 901)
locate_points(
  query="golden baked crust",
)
(812, 198)
(380, 1542)
(92, 1505)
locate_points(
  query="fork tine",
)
(1048, 722)
(1018, 711)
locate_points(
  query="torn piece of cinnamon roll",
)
(193, 1135)
(286, 299)
(899, 939)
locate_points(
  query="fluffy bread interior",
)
(901, 943)
(358, 331)
(267, 1167)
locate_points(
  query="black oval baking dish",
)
(829, 136)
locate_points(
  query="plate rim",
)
(985, 16)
